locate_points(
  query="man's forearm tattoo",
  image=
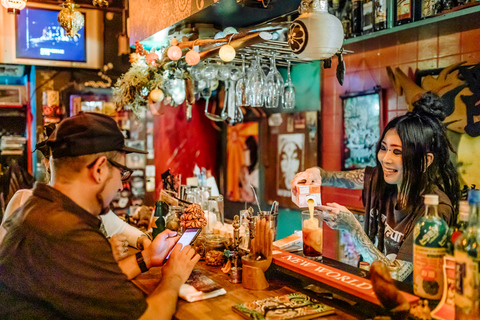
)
(343, 179)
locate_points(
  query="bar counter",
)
(281, 280)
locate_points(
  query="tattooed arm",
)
(341, 179)
(339, 217)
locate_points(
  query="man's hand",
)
(157, 251)
(119, 246)
(181, 262)
(309, 176)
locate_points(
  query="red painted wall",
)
(428, 47)
(180, 144)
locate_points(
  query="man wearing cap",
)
(55, 262)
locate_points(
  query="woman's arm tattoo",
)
(399, 269)
(343, 179)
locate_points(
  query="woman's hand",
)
(119, 246)
(161, 246)
(339, 217)
(309, 176)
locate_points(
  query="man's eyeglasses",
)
(125, 171)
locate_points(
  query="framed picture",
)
(362, 114)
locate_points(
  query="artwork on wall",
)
(290, 159)
(362, 114)
(242, 161)
(460, 90)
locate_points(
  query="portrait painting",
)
(290, 159)
(242, 162)
(361, 128)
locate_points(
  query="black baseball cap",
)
(87, 133)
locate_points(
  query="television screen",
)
(40, 36)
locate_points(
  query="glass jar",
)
(172, 219)
(214, 247)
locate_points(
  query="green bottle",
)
(466, 264)
(429, 248)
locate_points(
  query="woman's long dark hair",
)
(421, 132)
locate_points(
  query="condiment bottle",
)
(429, 248)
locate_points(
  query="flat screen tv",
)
(35, 37)
(40, 36)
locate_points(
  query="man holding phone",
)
(55, 263)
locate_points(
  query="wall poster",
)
(242, 161)
(290, 159)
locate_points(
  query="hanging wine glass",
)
(256, 84)
(289, 92)
(241, 87)
(274, 86)
(210, 74)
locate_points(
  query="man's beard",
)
(104, 208)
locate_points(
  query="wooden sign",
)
(352, 284)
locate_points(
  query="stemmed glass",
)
(274, 87)
(256, 84)
(210, 74)
(241, 87)
(289, 94)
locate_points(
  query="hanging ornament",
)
(174, 53)
(192, 57)
(14, 6)
(100, 3)
(156, 95)
(227, 53)
(315, 34)
(70, 19)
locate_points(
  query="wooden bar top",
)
(221, 307)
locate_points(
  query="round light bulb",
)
(174, 53)
(156, 95)
(227, 53)
(192, 57)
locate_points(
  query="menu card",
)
(290, 306)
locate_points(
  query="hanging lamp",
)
(315, 34)
(14, 6)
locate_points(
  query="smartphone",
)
(187, 238)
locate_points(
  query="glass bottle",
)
(356, 17)
(172, 219)
(380, 9)
(429, 248)
(367, 16)
(404, 12)
(459, 228)
(466, 264)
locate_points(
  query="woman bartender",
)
(412, 160)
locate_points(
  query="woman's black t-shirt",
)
(391, 229)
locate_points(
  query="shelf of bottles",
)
(366, 19)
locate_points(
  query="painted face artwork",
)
(390, 157)
(289, 162)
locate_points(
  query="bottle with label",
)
(404, 12)
(380, 9)
(429, 248)
(459, 228)
(466, 264)
(367, 16)
(356, 17)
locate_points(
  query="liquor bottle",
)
(466, 264)
(380, 9)
(404, 12)
(427, 8)
(459, 228)
(367, 16)
(429, 248)
(356, 17)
